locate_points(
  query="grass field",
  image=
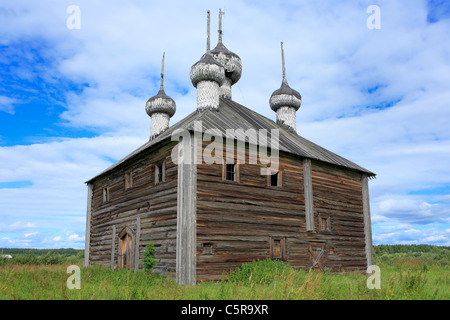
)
(409, 275)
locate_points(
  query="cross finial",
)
(162, 73)
(208, 33)
(282, 63)
(220, 24)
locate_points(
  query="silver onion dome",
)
(285, 96)
(207, 69)
(161, 103)
(230, 61)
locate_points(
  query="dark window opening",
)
(274, 180)
(160, 173)
(105, 194)
(325, 224)
(230, 172)
(207, 248)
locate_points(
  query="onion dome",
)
(207, 69)
(230, 61)
(285, 96)
(161, 103)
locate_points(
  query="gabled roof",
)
(232, 115)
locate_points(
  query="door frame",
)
(126, 248)
(282, 243)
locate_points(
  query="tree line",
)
(61, 251)
(378, 250)
(410, 248)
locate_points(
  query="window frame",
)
(160, 172)
(105, 194)
(235, 174)
(279, 174)
(325, 223)
(282, 243)
(126, 244)
(208, 249)
(128, 182)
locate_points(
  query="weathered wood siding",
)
(337, 193)
(237, 219)
(155, 204)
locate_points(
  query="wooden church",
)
(210, 204)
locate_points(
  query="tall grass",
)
(402, 277)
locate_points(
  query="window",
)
(331, 249)
(274, 179)
(207, 248)
(324, 223)
(128, 179)
(105, 194)
(230, 172)
(160, 172)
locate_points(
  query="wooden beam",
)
(88, 224)
(113, 241)
(307, 186)
(137, 243)
(186, 212)
(367, 220)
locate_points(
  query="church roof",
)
(232, 115)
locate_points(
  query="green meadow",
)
(406, 273)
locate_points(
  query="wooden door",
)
(317, 255)
(126, 248)
(277, 248)
(125, 254)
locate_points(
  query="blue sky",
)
(72, 101)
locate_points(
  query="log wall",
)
(337, 194)
(237, 221)
(155, 204)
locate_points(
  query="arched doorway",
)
(126, 248)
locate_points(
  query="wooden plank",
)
(186, 214)
(137, 243)
(308, 192)
(88, 224)
(367, 220)
(113, 240)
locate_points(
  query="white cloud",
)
(30, 234)
(7, 104)
(376, 97)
